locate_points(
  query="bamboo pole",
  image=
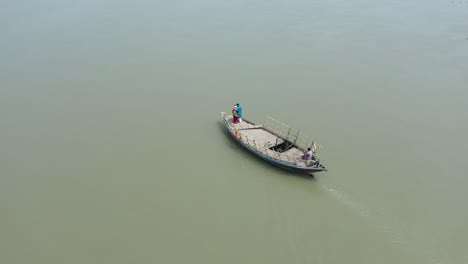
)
(289, 131)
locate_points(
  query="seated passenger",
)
(309, 155)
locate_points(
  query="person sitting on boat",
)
(309, 155)
(239, 112)
(235, 115)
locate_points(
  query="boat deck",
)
(244, 125)
(262, 137)
(262, 140)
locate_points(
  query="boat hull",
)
(283, 165)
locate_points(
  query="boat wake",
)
(376, 222)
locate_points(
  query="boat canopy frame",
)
(290, 134)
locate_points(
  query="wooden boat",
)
(275, 143)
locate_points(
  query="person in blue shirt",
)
(239, 112)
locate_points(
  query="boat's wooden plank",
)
(294, 159)
(296, 155)
(252, 127)
(261, 137)
(294, 152)
(244, 125)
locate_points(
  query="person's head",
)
(237, 104)
(308, 149)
